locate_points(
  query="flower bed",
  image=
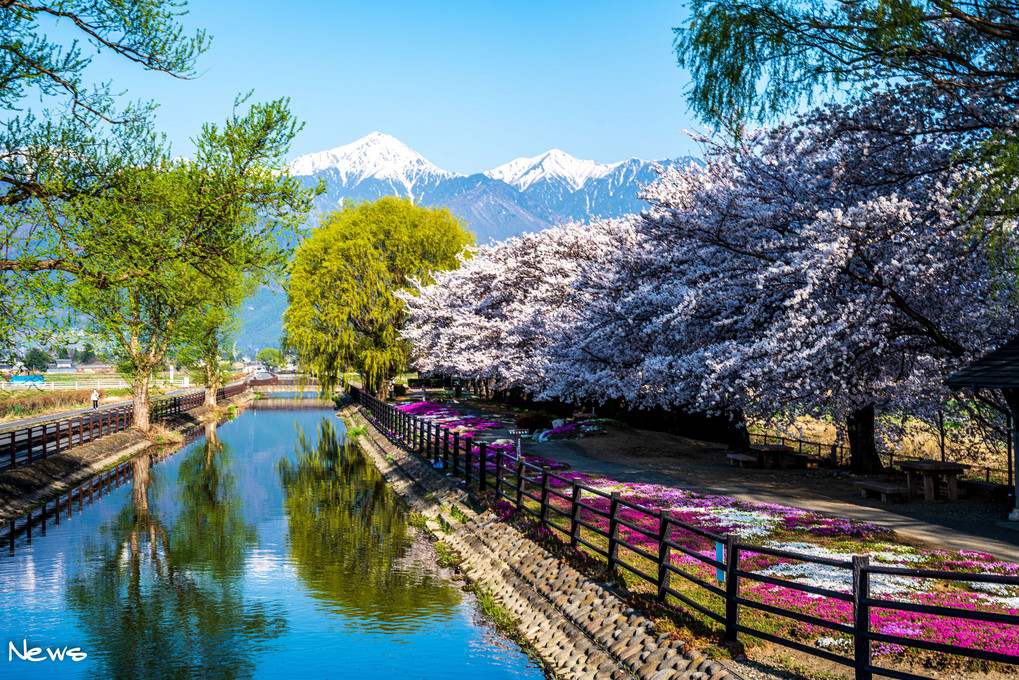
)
(811, 535)
(448, 417)
(573, 430)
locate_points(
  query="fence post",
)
(520, 482)
(498, 474)
(14, 436)
(55, 453)
(482, 466)
(664, 554)
(467, 462)
(544, 495)
(613, 551)
(731, 588)
(575, 516)
(861, 617)
(445, 448)
(456, 452)
(43, 448)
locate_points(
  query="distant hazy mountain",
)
(526, 194)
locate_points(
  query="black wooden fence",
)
(560, 507)
(19, 447)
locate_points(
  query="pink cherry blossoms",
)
(821, 267)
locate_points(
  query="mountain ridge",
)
(523, 195)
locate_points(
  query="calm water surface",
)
(267, 549)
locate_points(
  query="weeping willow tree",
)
(341, 309)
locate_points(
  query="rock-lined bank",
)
(25, 487)
(581, 629)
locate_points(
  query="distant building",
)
(61, 366)
(95, 367)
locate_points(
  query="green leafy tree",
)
(211, 335)
(271, 357)
(195, 229)
(36, 359)
(87, 354)
(341, 311)
(79, 145)
(764, 57)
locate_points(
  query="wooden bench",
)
(741, 459)
(979, 487)
(883, 488)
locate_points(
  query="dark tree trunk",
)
(738, 436)
(863, 458)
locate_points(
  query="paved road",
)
(25, 422)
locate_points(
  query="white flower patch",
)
(998, 589)
(833, 643)
(743, 523)
(837, 578)
(997, 593)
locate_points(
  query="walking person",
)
(95, 399)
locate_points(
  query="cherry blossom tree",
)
(497, 314)
(826, 267)
(823, 267)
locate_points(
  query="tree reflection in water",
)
(168, 604)
(349, 541)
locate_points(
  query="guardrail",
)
(21, 446)
(655, 536)
(65, 385)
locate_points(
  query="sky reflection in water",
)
(265, 549)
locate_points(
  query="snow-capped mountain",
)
(379, 160)
(527, 194)
(551, 166)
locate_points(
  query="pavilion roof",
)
(998, 369)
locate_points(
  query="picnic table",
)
(931, 472)
(772, 455)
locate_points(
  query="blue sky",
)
(469, 85)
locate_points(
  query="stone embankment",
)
(25, 487)
(580, 628)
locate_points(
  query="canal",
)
(266, 548)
